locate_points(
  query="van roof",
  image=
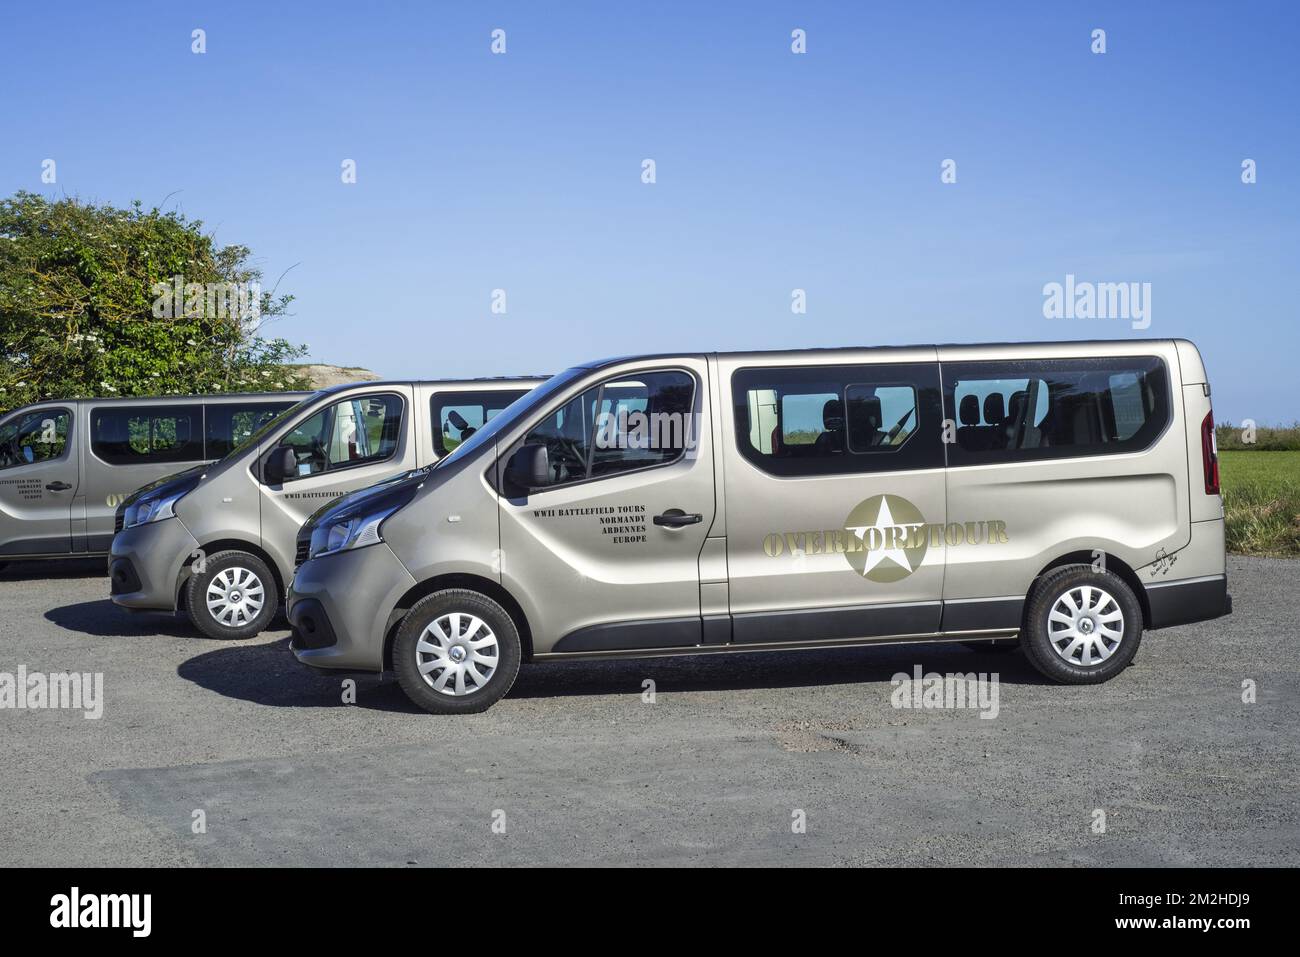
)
(503, 380)
(1070, 344)
(170, 397)
(236, 396)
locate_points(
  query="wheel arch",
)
(1113, 563)
(237, 545)
(492, 589)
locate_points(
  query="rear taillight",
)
(1210, 454)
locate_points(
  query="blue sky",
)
(775, 171)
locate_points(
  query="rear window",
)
(1036, 409)
(131, 435)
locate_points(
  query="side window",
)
(823, 420)
(643, 421)
(129, 435)
(807, 416)
(352, 432)
(619, 426)
(567, 434)
(228, 424)
(1129, 402)
(458, 415)
(1054, 408)
(38, 436)
(996, 413)
(879, 418)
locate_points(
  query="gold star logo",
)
(884, 524)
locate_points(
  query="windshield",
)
(271, 424)
(520, 409)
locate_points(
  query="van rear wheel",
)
(235, 596)
(456, 652)
(1082, 626)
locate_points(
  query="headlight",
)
(355, 523)
(355, 532)
(154, 508)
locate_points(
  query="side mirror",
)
(282, 464)
(530, 467)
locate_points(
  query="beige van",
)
(66, 464)
(1063, 495)
(217, 542)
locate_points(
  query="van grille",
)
(119, 519)
(300, 555)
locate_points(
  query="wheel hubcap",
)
(1086, 625)
(235, 596)
(457, 654)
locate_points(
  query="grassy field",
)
(1261, 496)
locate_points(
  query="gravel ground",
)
(579, 769)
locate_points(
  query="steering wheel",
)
(564, 451)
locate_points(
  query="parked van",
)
(1063, 494)
(65, 465)
(218, 542)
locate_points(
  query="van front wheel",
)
(456, 652)
(1082, 626)
(235, 596)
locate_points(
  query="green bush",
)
(80, 294)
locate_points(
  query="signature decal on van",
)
(885, 538)
(1164, 561)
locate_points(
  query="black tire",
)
(998, 646)
(407, 655)
(1037, 635)
(197, 590)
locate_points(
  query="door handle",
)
(676, 518)
(57, 486)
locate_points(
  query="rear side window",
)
(458, 415)
(228, 424)
(139, 435)
(634, 422)
(1054, 408)
(38, 436)
(827, 420)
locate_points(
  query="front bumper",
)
(145, 564)
(339, 606)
